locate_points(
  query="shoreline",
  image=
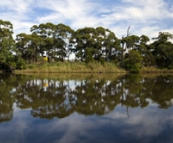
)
(72, 67)
(83, 68)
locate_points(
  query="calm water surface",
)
(86, 109)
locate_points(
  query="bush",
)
(102, 60)
(20, 64)
(133, 61)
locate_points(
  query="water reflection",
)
(50, 98)
(130, 108)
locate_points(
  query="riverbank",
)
(81, 67)
(154, 70)
(71, 67)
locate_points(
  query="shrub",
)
(133, 61)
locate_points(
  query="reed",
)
(156, 70)
(72, 67)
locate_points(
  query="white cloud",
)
(144, 16)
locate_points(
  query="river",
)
(86, 108)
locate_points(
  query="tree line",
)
(88, 44)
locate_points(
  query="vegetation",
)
(93, 47)
(71, 67)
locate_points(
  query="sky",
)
(148, 17)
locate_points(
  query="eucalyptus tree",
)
(163, 50)
(96, 44)
(29, 46)
(131, 42)
(63, 37)
(112, 50)
(144, 49)
(163, 37)
(128, 43)
(36, 45)
(142, 46)
(46, 32)
(22, 44)
(7, 45)
(84, 43)
(101, 34)
(107, 44)
(56, 39)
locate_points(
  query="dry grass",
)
(71, 67)
(155, 70)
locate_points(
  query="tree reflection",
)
(49, 98)
(7, 98)
(160, 91)
(132, 95)
(95, 97)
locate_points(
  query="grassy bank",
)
(154, 70)
(81, 67)
(71, 67)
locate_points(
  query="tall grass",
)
(156, 70)
(71, 67)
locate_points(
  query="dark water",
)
(86, 109)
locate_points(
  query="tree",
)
(163, 50)
(144, 39)
(112, 47)
(96, 44)
(131, 41)
(56, 39)
(47, 33)
(84, 39)
(133, 61)
(128, 43)
(7, 46)
(144, 49)
(63, 37)
(29, 46)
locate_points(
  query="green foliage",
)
(103, 43)
(102, 60)
(163, 50)
(20, 63)
(88, 44)
(7, 46)
(133, 62)
(144, 39)
(55, 39)
(89, 55)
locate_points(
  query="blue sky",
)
(146, 17)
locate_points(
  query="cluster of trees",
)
(88, 44)
(10, 58)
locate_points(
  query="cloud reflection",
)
(119, 121)
(143, 125)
